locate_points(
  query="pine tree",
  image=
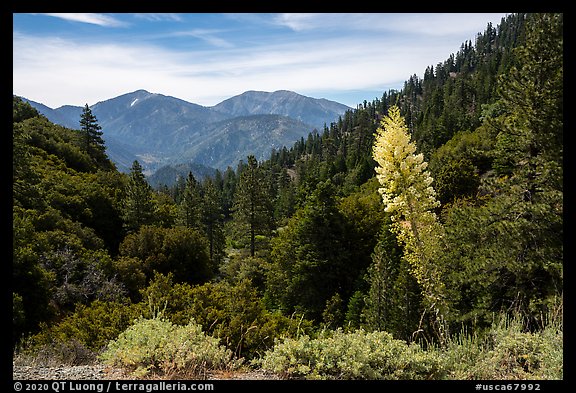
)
(228, 187)
(286, 196)
(407, 194)
(138, 204)
(531, 132)
(314, 257)
(191, 205)
(212, 221)
(252, 206)
(91, 131)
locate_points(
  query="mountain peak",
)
(287, 92)
(309, 110)
(140, 91)
(267, 94)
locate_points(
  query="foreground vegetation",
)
(155, 347)
(418, 237)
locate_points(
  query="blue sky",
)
(205, 58)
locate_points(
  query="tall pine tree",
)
(91, 136)
(138, 203)
(393, 301)
(252, 208)
(212, 221)
(191, 205)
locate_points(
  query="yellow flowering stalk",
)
(408, 195)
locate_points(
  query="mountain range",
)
(160, 130)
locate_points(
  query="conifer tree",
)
(212, 220)
(92, 141)
(530, 142)
(393, 301)
(286, 195)
(191, 205)
(138, 204)
(252, 207)
(314, 258)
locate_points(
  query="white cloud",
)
(300, 22)
(435, 24)
(160, 17)
(95, 19)
(207, 35)
(58, 69)
(440, 24)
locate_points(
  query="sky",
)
(77, 59)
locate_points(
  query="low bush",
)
(507, 351)
(353, 355)
(158, 346)
(504, 351)
(90, 327)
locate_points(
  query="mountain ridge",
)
(278, 102)
(160, 130)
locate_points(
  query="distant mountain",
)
(169, 174)
(153, 122)
(160, 130)
(67, 116)
(313, 111)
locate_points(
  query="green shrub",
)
(78, 338)
(232, 312)
(354, 355)
(91, 326)
(506, 351)
(157, 345)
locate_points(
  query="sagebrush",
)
(158, 346)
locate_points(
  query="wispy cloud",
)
(435, 24)
(160, 17)
(300, 22)
(95, 19)
(207, 35)
(206, 77)
(438, 24)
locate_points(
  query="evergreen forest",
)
(418, 236)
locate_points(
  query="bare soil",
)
(102, 372)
